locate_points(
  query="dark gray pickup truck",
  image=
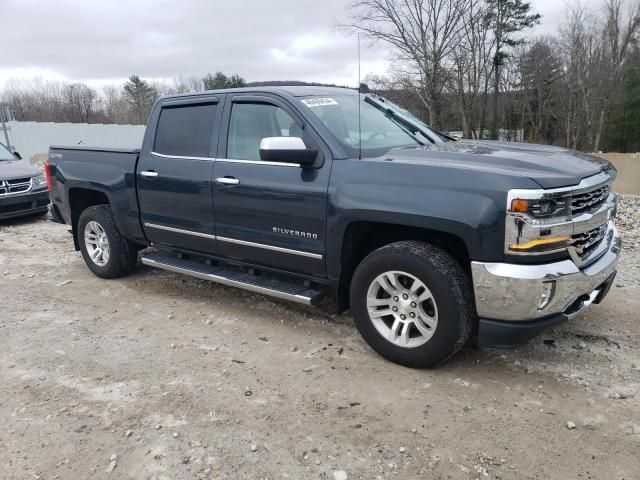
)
(22, 187)
(299, 191)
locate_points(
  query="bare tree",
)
(473, 67)
(423, 32)
(114, 105)
(541, 88)
(618, 35)
(80, 101)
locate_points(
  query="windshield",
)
(5, 154)
(376, 133)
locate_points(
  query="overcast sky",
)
(104, 41)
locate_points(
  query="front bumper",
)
(509, 297)
(32, 203)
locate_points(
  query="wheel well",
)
(362, 238)
(79, 200)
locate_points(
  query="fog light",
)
(548, 290)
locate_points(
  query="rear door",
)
(269, 213)
(174, 175)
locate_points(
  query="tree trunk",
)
(483, 110)
(596, 143)
(434, 113)
(496, 88)
(466, 127)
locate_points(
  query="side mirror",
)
(287, 150)
(17, 155)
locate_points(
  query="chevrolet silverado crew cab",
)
(299, 191)
(22, 188)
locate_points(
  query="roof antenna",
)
(359, 102)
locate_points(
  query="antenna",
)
(359, 102)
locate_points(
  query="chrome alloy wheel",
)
(97, 243)
(402, 309)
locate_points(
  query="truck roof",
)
(295, 90)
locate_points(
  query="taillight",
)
(48, 176)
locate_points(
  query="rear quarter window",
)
(185, 131)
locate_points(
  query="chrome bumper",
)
(514, 292)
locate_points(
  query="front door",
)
(269, 213)
(174, 177)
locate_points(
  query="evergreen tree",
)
(140, 96)
(508, 18)
(220, 80)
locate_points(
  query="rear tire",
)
(412, 303)
(105, 251)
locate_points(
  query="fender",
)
(468, 204)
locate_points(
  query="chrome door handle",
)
(149, 173)
(227, 180)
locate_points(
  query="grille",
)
(588, 201)
(16, 185)
(584, 243)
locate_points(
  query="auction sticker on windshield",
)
(318, 101)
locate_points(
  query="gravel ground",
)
(162, 376)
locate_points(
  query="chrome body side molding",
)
(316, 256)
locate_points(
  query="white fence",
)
(31, 138)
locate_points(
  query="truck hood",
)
(550, 167)
(16, 169)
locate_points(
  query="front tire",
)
(411, 301)
(105, 251)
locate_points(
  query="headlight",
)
(542, 208)
(39, 180)
(537, 222)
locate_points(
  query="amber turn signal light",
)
(519, 205)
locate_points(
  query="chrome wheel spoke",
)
(426, 328)
(404, 334)
(379, 302)
(429, 321)
(388, 282)
(380, 313)
(394, 331)
(424, 296)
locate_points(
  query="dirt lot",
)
(162, 376)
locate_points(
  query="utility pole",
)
(5, 116)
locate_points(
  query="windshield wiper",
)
(399, 120)
(426, 132)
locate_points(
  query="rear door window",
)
(185, 131)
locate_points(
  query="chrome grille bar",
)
(591, 200)
(15, 186)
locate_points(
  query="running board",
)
(266, 286)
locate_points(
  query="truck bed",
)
(109, 173)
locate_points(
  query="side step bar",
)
(266, 286)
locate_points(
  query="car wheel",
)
(105, 251)
(412, 302)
